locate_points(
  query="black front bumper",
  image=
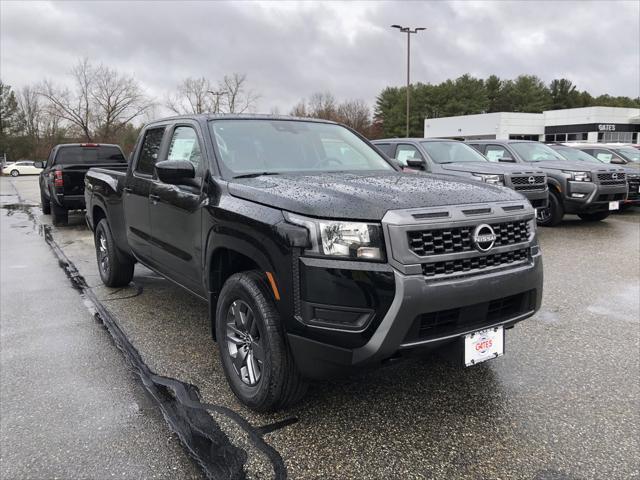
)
(475, 301)
(593, 197)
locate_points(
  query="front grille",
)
(433, 325)
(610, 197)
(607, 179)
(529, 188)
(524, 182)
(455, 240)
(465, 265)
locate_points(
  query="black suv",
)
(589, 191)
(450, 157)
(62, 178)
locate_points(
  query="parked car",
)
(632, 173)
(315, 254)
(450, 157)
(62, 177)
(22, 167)
(615, 154)
(589, 191)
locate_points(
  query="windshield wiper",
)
(255, 174)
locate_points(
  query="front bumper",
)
(415, 297)
(583, 197)
(537, 198)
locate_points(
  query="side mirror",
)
(38, 164)
(415, 163)
(175, 171)
(506, 160)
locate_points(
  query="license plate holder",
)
(483, 345)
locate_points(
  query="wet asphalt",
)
(563, 403)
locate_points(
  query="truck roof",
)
(202, 117)
(414, 139)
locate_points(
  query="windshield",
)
(89, 155)
(575, 154)
(452, 152)
(279, 146)
(535, 152)
(629, 154)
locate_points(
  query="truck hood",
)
(490, 168)
(363, 196)
(577, 166)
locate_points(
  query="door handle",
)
(127, 190)
(154, 198)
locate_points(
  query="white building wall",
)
(486, 125)
(577, 116)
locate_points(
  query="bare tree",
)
(118, 99)
(101, 102)
(74, 106)
(300, 110)
(236, 97)
(32, 110)
(323, 105)
(194, 96)
(355, 114)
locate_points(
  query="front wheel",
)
(593, 217)
(15, 173)
(552, 215)
(116, 270)
(254, 354)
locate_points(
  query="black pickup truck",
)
(589, 191)
(451, 157)
(315, 254)
(62, 178)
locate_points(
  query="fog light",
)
(578, 195)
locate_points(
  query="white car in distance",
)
(23, 167)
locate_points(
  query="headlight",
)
(347, 240)
(491, 179)
(579, 176)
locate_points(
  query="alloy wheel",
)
(244, 343)
(103, 253)
(543, 214)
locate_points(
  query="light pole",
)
(408, 31)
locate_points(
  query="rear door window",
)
(89, 155)
(149, 151)
(495, 152)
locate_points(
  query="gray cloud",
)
(290, 50)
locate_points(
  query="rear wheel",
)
(15, 173)
(594, 217)
(45, 203)
(116, 270)
(255, 357)
(552, 215)
(60, 215)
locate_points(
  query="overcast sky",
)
(291, 49)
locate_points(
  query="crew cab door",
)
(176, 217)
(137, 188)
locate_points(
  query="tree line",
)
(103, 105)
(469, 95)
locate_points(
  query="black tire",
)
(60, 215)
(279, 384)
(553, 214)
(116, 269)
(15, 173)
(45, 203)
(594, 217)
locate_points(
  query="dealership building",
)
(588, 124)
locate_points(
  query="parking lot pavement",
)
(563, 402)
(69, 405)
